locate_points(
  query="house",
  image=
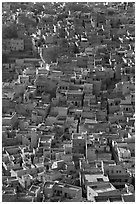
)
(66, 157)
(27, 180)
(8, 92)
(117, 117)
(34, 191)
(42, 110)
(43, 84)
(50, 120)
(23, 79)
(89, 125)
(93, 178)
(130, 97)
(30, 71)
(89, 51)
(51, 175)
(41, 71)
(114, 105)
(71, 124)
(13, 44)
(9, 119)
(126, 108)
(91, 167)
(131, 145)
(58, 191)
(104, 192)
(60, 111)
(75, 98)
(9, 195)
(6, 6)
(82, 59)
(70, 167)
(88, 113)
(128, 197)
(29, 137)
(67, 147)
(50, 38)
(117, 69)
(103, 152)
(31, 90)
(19, 64)
(90, 151)
(118, 175)
(8, 66)
(124, 153)
(84, 43)
(88, 89)
(19, 89)
(78, 144)
(96, 83)
(127, 73)
(62, 87)
(125, 87)
(101, 115)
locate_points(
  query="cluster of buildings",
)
(68, 102)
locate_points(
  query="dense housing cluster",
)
(68, 102)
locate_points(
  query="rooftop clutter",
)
(68, 102)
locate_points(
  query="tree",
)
(50, 54)
(75, 48)
(77, 6)
(4, 58)
(9, 32)
(38, 7)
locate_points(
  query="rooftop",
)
(95, 178)
(104, 188)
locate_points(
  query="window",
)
(107, 172)
(117, 180)
(58, 193)
(116, 103)
(65, 195)
(94, 187)
(99, 179)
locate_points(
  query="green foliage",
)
(4, 58)
(27, 21)
(77, 6)
(9, 32)
(50, 54)
(17, 5)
